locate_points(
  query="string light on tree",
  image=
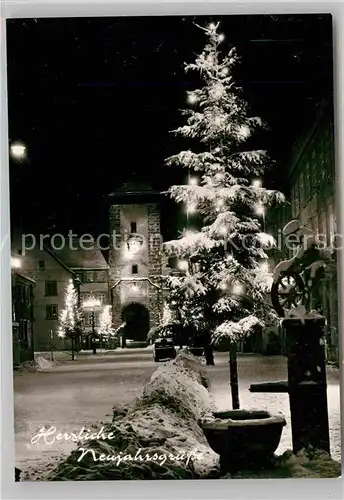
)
(223, 286)
(238, 289)
(260, 209)
(257, 183)
(219, 204)
(191, 208)
(221, 37)
(193, 181)
(183, 265)
(192, 98)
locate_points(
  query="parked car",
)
(163, 348)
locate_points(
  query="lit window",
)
(52, 311)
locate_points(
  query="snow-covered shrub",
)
(162, 421)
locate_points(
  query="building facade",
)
(88, 263)
(22, 317)
(311, 193)
(51, 277)
(135, 260)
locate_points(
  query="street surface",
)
(81, 393)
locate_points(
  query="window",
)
(89, 276)
(51, 288)
(100, 277)
(102, 297)
(133, 228)
(41, 265)
(51, 311)
(134, 269)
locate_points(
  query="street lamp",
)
(92, 304)
(15, 263)
(18, 151)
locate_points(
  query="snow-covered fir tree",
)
(223, 282)
(70, 316)
(106, 329)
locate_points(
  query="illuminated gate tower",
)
(135, 259)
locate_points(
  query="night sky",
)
(94, 100)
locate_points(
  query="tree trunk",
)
(72, 339)
(233, 372)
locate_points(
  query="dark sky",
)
(94, 100)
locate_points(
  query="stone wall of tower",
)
(155, 263)
(148, 261)
(114, 275)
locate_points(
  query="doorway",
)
(136, 318)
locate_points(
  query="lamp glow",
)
(15, 263)
(257, 183)
(91, 303)
(191, 209)
(238, 289)
(260, 209)
(219, 204)
(183, 265)
(18, 150)
(193, 181)
(192, 98)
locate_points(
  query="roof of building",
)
(131, 192)
(82, 256)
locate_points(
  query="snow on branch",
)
(236, 331)
(191, 160)
(194, 241)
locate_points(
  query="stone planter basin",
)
(243, 439)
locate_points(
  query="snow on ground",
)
(73, 394)
(162, 421)
(255, 369)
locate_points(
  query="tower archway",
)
(136, 319)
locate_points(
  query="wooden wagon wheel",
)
(287, 292)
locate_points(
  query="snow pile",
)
(310, 464)
(305, 464)
(44, 363)
(162, 422)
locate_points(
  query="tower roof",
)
(134, 192)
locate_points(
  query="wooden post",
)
(307, 383)
(233, 371)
